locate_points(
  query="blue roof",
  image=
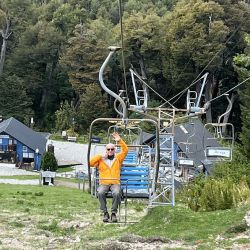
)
(24, 134)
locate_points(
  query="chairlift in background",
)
(140, 92)
(131, 132)
(194, 99)
(222, 133)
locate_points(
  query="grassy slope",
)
(180, 223)
(55, 212)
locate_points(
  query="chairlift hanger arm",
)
(115, 106)
(112, 49)
(181, 93)
(201, 90)
(228, 109)
(116, 109)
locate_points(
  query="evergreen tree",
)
(35, 61)
(49, 162)
(64, 116)
(242, 62)
(202, 37)
(143, 43)
(93, 105)
(14, 101)
(83, 58)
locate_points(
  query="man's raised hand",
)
(116, 136)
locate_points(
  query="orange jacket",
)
(110, 175)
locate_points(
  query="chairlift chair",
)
(137, 180)
(194, 99)
(224, 133)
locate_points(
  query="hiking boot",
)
(106, 217)
(113, 217)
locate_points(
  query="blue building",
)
(21, 145)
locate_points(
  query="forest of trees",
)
(52, 50)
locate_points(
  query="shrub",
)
(212, 194)
(192, 193)
(236, 170)
(71, 132)
(233, 170)
(49, 162)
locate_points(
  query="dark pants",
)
(116, 194)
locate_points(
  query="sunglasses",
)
(110, 149)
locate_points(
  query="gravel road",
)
(11, 170)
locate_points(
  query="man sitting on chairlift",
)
(109, 166)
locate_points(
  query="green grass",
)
(65, 169)
(83, 139)
(20, 177)
(182, 223)
(35, 177)
(56, 137)
(73, 180)
(54, 201)
(55, 211)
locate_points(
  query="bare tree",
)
(5, 32)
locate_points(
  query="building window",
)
(28, 155)
(25, 155)
(25, 149)
(31, 155)
(4, 136)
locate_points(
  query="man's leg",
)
(116, 193)
(101, 192)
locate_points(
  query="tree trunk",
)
(143, 74)
(209, 92)
(2, 58)
(43, 99)
(208, 97)
(5, 35)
